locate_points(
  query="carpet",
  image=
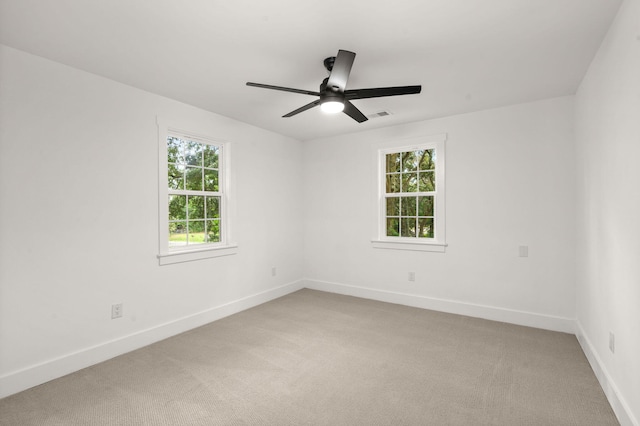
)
(315, 358)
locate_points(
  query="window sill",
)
(170, 258)
(409, 245)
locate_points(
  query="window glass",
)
(410, 193)
(195, 199)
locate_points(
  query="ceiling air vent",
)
(379, 114)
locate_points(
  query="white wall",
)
(608, 155)
(510, 182)
(78, 218)
(79, 221)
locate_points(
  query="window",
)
(411, 196)
(193, 177)
(193, 197)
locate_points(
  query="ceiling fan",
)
(333, 95)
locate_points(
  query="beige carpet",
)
(313, 358)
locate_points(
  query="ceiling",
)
(468, 55)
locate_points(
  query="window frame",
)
(380, 239)
(176, 254)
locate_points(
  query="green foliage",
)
(425, 206)
(393, 163)
(212, 207)
(211, 156)
(393, 206)
(211, 180)
(213, 231)
(174, 150)
(393, 227)
(175, 176)
(195, 231)
(425, 227)
(177, 207)
(408, 227)
(426, 159)
(196, 206)
(192, 153)
(193, 166)
(409, 182)
(193, 179)
(407, 172)
(409, 162)
(411, 171)
(427, 181)
(393, 183)
(193, 207)
(408, 206)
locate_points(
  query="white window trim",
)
(170, 255)
(380, 240)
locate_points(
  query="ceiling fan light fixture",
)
(333, 94)
(332, 107)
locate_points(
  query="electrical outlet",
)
(612, 342)
(116, 311)
(273, 271)
(412, 276)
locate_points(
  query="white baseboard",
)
(41, 373)
(26, 378)
(618, 403)
(529, 319)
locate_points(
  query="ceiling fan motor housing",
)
(329, 96)
(330, 92)
(333, 96)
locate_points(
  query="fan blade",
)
(381, 92)
(284, 89)
(353, 112)
(340, 71)
(303, 108)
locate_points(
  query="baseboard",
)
(618, 403)
(41, 373)
(529, 319)
(37, 374)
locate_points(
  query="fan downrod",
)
(328, 63)
(333, 88)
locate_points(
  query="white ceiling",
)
(467, 54)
